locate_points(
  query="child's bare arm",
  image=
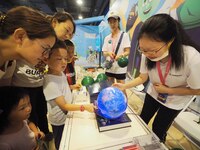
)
(38, 134)
(60, 101)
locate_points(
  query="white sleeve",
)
(51, 90)
(193, 79)
(143, 67)
(126, 41)
(192, 66)
(105, 44)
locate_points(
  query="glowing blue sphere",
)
(111, 103)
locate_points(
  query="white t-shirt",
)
(187, 76)
(56, 86)
(110, 45)
(26, 75)
(21, 140)
(6, 75)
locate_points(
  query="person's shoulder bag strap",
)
(119, 42)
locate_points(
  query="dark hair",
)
(163, 27)
(32, 21)
(9, 99)
(118, 18)
(69, 43)
(62, 17)
(57, 45)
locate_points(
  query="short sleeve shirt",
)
(26, 75)
(7, 73)
(187, 76)
(21, 140)
(56, 86)
(110, 45)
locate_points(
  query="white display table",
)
(187, 122)
(81, 133)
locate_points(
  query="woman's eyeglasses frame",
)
(150, 52)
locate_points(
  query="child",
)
(57, 92)
(69, 70)
(15, 131)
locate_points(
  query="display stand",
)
(81, 132)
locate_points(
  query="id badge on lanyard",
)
(163, 96)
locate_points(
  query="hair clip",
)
(2, 19)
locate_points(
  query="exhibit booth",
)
(89, 40)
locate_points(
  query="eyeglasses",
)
(150, 52)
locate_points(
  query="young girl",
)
(15, 131)
(57, 91)
(110, 51)
(110, 45)
(171, 62)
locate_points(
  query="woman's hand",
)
(119, 85)
(117, 57)
(160, 88)
(112, 55)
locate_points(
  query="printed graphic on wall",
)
(185, 11)
(133, 13)
(87, 43)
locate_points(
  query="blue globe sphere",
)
(111, 103)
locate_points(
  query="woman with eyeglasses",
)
(25, 34)
(31, 77)
(171, 62)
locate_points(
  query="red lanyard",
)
(162, 79)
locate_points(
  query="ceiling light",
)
(80, 17)
(80, 2)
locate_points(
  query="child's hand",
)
(39, 135)
(75, 58)
(90, 107)
(76, 86)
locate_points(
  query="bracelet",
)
(82, 108)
